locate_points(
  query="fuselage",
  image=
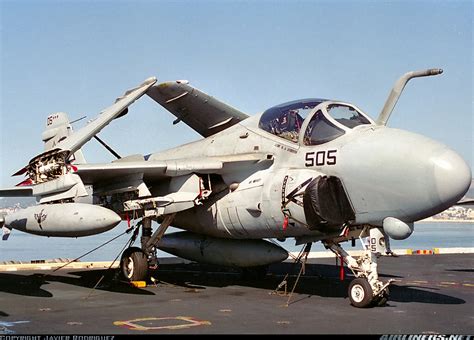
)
(384, 172)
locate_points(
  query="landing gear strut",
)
(366, 289)
(136, 262)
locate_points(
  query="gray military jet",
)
(312, 169)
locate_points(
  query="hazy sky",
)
(78, 56)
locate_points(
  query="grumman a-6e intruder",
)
(311, 169)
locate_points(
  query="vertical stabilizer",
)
(57, 129)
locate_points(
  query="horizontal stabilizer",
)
(17, 192)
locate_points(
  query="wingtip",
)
(149, 81)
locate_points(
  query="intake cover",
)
(326, 204)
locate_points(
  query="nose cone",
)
(395, 173)
(452, 177)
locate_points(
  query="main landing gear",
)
(366, 289)
(136, 262)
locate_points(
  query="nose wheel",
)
(360, 293)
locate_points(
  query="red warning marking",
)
(423, 252)
(341, 270)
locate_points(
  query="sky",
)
(79, 56)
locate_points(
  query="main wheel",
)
(360, 293)
(134, 264)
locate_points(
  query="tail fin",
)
(57, 129)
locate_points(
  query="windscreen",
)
(346, 115)
(320, 130)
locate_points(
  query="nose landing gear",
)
(366, 290)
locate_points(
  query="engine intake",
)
(326, 204)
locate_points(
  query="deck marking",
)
(143, 324)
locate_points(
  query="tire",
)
(360, 293)
(134, 265)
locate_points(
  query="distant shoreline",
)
(428, 220)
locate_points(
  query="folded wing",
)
(82, 136)
(203, 113)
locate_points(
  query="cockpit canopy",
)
(286, 120)
(322, 120)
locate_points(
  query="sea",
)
(26, 247)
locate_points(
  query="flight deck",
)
(430, 294)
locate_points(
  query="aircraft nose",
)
(452, 176)
(402, 175)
